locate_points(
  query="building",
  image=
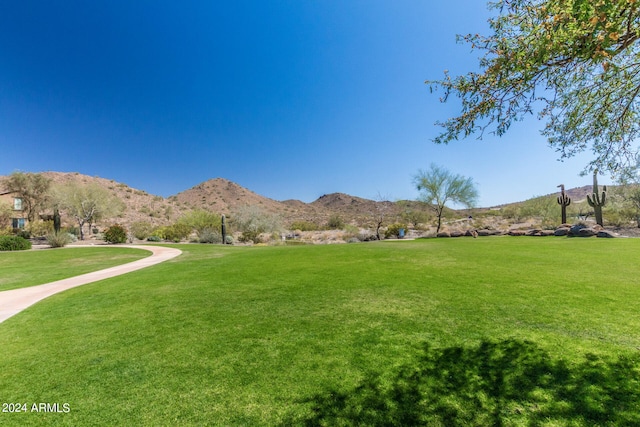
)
(16, 206)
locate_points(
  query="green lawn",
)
(471, 332)
(21, 269)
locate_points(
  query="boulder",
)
(456, 233)
(587, 232)
(562, 231)
(547, 233)
(605, 234)
(444, 234)
(517, 232)
(575, 229)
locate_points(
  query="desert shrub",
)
(209, 236)
(115, 234)
(250, 236)
(14, 243)
(335, 222)
(229, 240)
(24, 234)
(253, 221)
(619, 218)
(153, 238)
(176, 232)
(304, 226)
(40, 228)
(394, 230)
(59, 240)
(141, 229)
(201, 221)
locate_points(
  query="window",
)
(17, 204)
(18, 223)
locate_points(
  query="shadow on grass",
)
(504, 383)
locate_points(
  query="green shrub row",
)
(14, 243)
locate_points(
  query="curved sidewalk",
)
(14, 301)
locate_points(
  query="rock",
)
(517, 232)
(587, 232)
(547, 233)
(444, 234)
(485, 232)
(562, 231)
(605, 234)
(534, 232)
(575, 229)
(456, 234)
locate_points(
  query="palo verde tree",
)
(438, 186)
(574, 62)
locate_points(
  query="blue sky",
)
(291, 99)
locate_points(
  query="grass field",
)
(470, 332)
(21, 269)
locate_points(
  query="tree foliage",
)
(32, 188)
(438, 186)
(201, 221)
(253, 220)
(574, 62)
(86, 203)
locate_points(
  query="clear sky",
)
(291, 99)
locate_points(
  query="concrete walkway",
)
(14, 301)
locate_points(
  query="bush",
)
(154, 238)
(250, 236)
(14, 243)
(394, 230)
(229, 240)
(253, 221)
(141, 229)
(176, 232)
(210, 236)
(335, 223)
(304, 226)
(24, 234)
(40, 228)
(59, 240)
(115, 234)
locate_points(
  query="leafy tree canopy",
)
(438, 186)
(576, 63)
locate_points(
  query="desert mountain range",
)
(223, 196)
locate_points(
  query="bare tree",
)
(382, 211)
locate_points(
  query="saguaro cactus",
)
(563, 200)
(597, 201)
(224, 230)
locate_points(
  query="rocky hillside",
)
(138, 204)
(223, 196)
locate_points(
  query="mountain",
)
(223, 196)
(139, 205)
